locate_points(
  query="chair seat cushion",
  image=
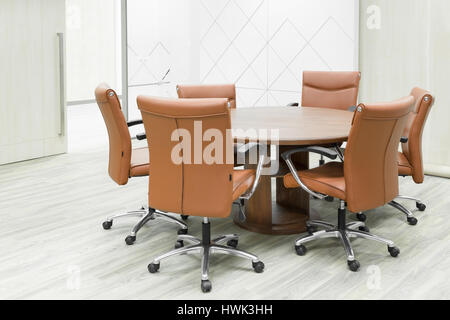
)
(327, 179)
(404, 167)
(242, 181)
(140, 160)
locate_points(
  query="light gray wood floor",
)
(52, 245)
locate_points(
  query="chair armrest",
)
(314, 149)
(134, 123)
(295, 104)
(243, 150)
(141, 136)
(287, 157)
(259, 169)
(404, 140)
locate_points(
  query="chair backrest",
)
(414, 129)
(178, 127)
(227, 91)
(330, 89)
(370, 166)
(119, 136)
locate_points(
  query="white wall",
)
(160, 37)
(93, 33)
(261, 45)
(410, 48)
(264, 45)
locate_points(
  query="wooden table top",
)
(297, 126)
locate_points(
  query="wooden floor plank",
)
(51, 240)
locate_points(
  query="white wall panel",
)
(160, 39)
(264, 45)
(411, 48)
(261, 45)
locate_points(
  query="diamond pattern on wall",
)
(261, 45)
(267, 65)
(151, 66)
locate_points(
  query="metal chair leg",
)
(234, 252)
(226, 238)
(409, 215)
(141, 223)
(207, 247)
(409, 198)
(170, 219)
(323, 224)
(419, 204)
(356, 225)
(138, 213)
(205, 263)
(146, 214)
(318, 235)
(131, 239)
(177, 252)
(344, 231)
(369, 236)
(347, 245)
(188, 238)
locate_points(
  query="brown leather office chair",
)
(366, 180)
(195, 187)
(410, 162)
(330, 89)
(124, 161)
(227, 91)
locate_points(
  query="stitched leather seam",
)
(329, 89)
(107, 102)
(384, 161)
(186, 116)
(182, 174)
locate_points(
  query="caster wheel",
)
(153, 268)
(258, 267)
(107, 225)
(361, 217)
(179, 244)
(353, 265)
(421, 206)
(206, 286)
(301, 250)
(394, 251)
(364, 229)
(233, 243)
(182, 231)
(130, 240)
(329, 199)
(321, 162)
(412, 221)
(311, 229)
(184, 217)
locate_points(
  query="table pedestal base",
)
(285, 221)
(288, 214)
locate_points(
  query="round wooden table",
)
(289, 211)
